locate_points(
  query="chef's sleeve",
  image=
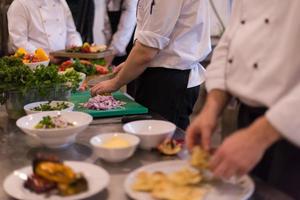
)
(122, 37)
(160, 18)
(17, 17)
(215, 73)
(284, 115)
(73, 37)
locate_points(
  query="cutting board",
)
(130, 108)
(64, 53)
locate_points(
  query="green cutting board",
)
(130, 108)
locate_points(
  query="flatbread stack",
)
(184, 184)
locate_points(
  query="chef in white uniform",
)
(172, 37)
(46, 24)
(257, 61)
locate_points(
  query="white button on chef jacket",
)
(180, 30)
(46, 24)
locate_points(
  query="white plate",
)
(97, 178)
(242, 190)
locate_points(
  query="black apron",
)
(83, 12)
(114, 19)
(280, 165)
(164, 91)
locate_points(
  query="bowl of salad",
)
(45, 106)
(55, 129)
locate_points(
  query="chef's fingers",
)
(223, 168)
(96, 89)
(117, 69)
(229, 173)
(205, 138)
(191, 136)
(215, 160)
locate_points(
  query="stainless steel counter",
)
(17, 150)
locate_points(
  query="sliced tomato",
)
(101, 70)
(65, 65)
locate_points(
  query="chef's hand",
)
(55, 60)
(105, 86)
(241, 151)
(201, 130)
(118, 68)
(109, 59)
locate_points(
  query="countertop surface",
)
(18, 149)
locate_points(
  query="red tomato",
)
(101, 70)
(65, 65)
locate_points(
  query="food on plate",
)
(169, 147)
(39, 55)
(145, 182)
(49, 122)
(179, 185)
(52, 175)
(185, 176)
(200, 158)
(50, 106)
(85, 66)
(101, 102)
(116, 142)
(87, 48)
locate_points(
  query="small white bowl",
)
(114, 154)
(151, 132)
(34, 65)
(57, 137)
(28, 108)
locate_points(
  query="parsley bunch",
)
(14, 75)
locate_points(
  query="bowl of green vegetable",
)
(44, 106)
(55, 129)
(19, 85)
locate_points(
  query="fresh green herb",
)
(46, 122)
(88, 69)
(72, 77)
(100, 61)
(50, 106)
(14, 75)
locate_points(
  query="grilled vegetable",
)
(78, 185)
(38, 184)
(169, 147)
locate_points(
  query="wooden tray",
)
(65, 54)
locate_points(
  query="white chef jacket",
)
(257, 60)
(46, 24)
(118, 42)
(180, 30)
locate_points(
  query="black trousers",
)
(165, 92)
(280, 165)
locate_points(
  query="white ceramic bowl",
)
(151, 132)
(58, 137)
(28, 108)
(35, 64)
(114, 154)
